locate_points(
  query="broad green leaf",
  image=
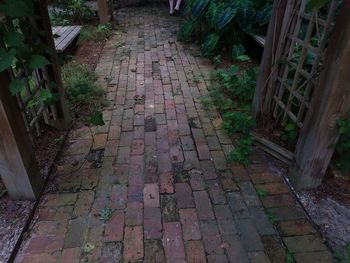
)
(210, 44)
(243, 58)
(37, 61)
(6, 58)
(97, 119)
(16, 86)
(237, 50)
(225, 18)
(13, 39)
(17, 8)
(199, 8)
(263, 15)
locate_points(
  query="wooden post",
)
(267, 61)
(63, 114)
(18, 167)
(331, 102)
(103, 11)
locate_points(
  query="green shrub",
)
(83, 92)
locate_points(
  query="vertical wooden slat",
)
(330, 102)
(18, 167)
(268, 59)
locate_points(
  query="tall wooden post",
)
(270, 48)
(18, 167)
(64, 118)
(104, 12)
(331, 102)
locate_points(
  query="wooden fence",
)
(303, 81)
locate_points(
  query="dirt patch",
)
(88, 53)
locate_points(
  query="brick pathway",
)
(164, 192)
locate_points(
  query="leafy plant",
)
(290, 133)
(225, 22)
(342, 149)
(290, 257)
(242, 150)
(96, 34)
(83, 92)
(70, 12)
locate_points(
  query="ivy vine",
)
(22, 50)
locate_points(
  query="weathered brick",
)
(234, 249)
(184, 195)
(211, 237)
(111, 252)
(45, 244)
(249, 235)
(172, 241)
(137, 147)
(169, 208)
(151, 195)
(190, 226)
(195, 252)
(152, 223)
(216, 193)
(154, 252)
(208, 169)
(237, 205)
(115, 227)
(307, 243)
(274, 188)
(166, 181)
(133, 244)
(296, 227)
(134, 213)
(278, 200)
(203, 205)
(76, 233)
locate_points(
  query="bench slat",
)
(66, 36)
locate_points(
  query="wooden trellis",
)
(298, 82)
(296, 63)
(18, 167)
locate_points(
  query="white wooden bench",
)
(64, 36)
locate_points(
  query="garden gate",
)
(20, 124)
(303, 80)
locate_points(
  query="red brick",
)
(277, 200)
(172, 241)
(40, 258)
(111, 148)
(134, 213)
(203, 205)
(191, 160)
(196, 180)
(190, 226)
(184, 195)
(118, 196)
(274, 188)
(114, 227)
(45, 244)
(138, 147)
(176, 154)
(296, 227)
(70, 255)
(162, 145)
(195, 252)
(114, 132)
(133, 244)
(152, 223)
(166, 183)
(203, 151)
(208, 169)
(100, 141)
(151, 195)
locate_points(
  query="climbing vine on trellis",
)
(22, 50)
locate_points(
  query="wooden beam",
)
(64, 118)
(18, 167)
(330, 102)
(103, 11)
(267, 61)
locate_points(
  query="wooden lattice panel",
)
(298, 62)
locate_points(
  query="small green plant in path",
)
(261, 192)
(105, 214)
(271, 217)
